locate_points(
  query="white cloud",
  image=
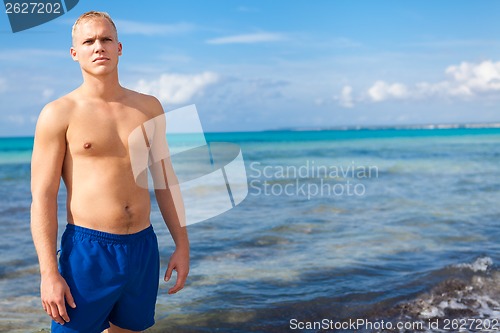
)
(381, 91)
(345, 99)
(477, 78)
(151, 29)
(177, 88)
(444, 89)
(248, 38)
(466, 81)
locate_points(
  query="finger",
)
(175, 288)
(181, 279)
(168, 273)
(69, 298)
(62, 312)
(179, 284)
(55, 314)
(46, 307)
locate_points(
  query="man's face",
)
(96, 46)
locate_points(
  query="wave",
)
(462, 292)
(470, 291)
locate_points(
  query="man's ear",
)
(120, 47)
(72, 51)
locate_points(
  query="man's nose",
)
(99, 47)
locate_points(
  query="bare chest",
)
(102, 132)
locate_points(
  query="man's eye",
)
(87, 42)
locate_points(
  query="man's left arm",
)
(170, 202)
(179, 261)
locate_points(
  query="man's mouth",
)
(100, 59)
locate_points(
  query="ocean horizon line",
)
(429, 126)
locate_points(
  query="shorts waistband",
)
(108, 237)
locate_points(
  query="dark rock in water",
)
(461, 299)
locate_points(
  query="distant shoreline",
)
(344, 128)
(389, 127)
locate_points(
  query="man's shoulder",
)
(60, 107)
(147, 103)
(54, 117)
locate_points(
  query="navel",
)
(87, 145)
(128, 211)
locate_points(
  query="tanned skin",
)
(82, 138)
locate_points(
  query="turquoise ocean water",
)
(400, 225)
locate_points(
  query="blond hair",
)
(90, 16)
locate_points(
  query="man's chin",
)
(100, 70)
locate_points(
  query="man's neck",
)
(106, 87)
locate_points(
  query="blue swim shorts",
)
(113, 278)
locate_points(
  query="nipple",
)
(87, 145)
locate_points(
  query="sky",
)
(251, 65)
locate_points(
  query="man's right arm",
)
(49, 150)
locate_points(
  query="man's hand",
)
(180, 262)
(55, 293)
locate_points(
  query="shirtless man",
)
(108, 271)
